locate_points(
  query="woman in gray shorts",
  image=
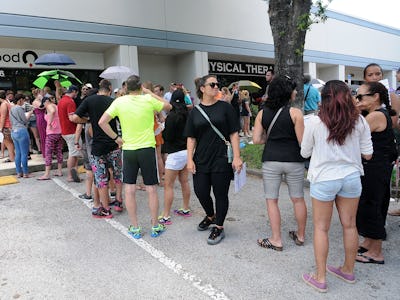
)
(281, 156)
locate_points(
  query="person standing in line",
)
(336, 140)
(269, 75)
(208, 159)
(312, 98)
(5, 125)
(20, 135)
(175, 166)
(54, 141)
(375, 196)
(281, 156)
(105, 151)
(66, 108)
(135, 112)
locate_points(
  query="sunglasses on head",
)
(213, 84)
(360, 96)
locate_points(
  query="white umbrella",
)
(317, 83)
(117, 72)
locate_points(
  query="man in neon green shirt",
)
(135, 112)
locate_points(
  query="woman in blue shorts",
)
(336, 140)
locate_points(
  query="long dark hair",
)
(179, 105)
(279, 92)
(338, 111)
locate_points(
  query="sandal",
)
(266, 243)
(293, 236)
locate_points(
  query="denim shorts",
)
(347, 187)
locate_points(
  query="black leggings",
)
(220, 182)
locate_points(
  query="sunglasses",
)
(360, 96)
(213, 84)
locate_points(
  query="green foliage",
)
(304, 22)
(251, 154)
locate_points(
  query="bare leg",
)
(153, 203)
(300, 213)
(72, 162)
(130, 203)
(89, 182)
(322, 214)
(274, 216)
(104, 197)
(347, 209)
(184, 181)
(170, 176)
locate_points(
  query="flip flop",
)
(58, 175)
(369, 260)
(266, 243)
(293, 236)
(43, 178)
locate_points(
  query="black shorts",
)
(143, 159)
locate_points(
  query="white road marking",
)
(175, 267)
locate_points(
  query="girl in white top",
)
(335, 139)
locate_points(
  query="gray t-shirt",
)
(17, 117)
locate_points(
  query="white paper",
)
(240, 179)
(1, 137)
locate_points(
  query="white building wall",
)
(229, 19)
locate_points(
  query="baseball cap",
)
(72, 88)
(88, 85)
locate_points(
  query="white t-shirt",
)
(330, 161)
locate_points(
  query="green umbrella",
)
(62, 76)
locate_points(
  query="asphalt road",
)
(51, 248)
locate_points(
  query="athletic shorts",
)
(176, 161)
(143, 159)
(347, 187)
(70, 140)
(272, 178)
(100, 165)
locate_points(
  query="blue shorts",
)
(347, 187)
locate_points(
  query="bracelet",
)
(116, 137)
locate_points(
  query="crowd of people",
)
(144, 139)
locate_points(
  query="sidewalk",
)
(35, 164)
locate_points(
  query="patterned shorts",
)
(100, 165)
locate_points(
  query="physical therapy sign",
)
(238, 68)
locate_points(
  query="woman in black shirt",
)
(209, 163)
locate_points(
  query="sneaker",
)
(183, 212)
(319, 286)
(157, 230)
(102, 213)
(94, 210)
(205, 223)
(164, 220)
(349, 278)
(216, 235)
(85, 196)
(136, 233)
(117, 205)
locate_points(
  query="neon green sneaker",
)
(157, 230)
(135, 232)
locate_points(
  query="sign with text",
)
(237, 68)
(25, 58)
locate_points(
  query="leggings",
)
(54, 144)
(219, 182)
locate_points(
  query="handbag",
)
(229, 150)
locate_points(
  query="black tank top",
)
(282, 144)
(383, 142)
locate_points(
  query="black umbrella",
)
(54, 59)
